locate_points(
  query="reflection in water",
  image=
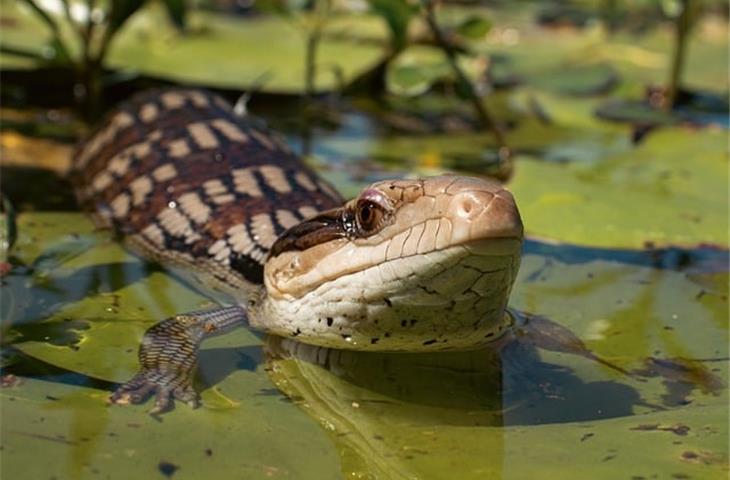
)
(703, 258)
(34, 293)
(386, 412)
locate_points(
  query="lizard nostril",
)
(466, 207)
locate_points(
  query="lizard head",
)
(422, 264)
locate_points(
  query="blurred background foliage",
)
(399, 47)
(368, 89)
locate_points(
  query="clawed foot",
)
(166, 386)
(168, 356)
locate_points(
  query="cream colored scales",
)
(437, 275)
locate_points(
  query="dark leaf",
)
(60, 54)
(9, 231)
(121, 10)
(397, 15)
(177, 11)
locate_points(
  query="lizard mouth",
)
(451, 298)
(414, 219)
(441, 256)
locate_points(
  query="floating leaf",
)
(583, 80)
(670, 190)
(81, 436)
(417, 68)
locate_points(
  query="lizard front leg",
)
(168, 357)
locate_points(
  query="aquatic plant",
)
(684, 14)
(93, 26)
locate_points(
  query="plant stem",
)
(52, 25)
(88, 33)
(70, 20)
(681, 33)
(466, 85)
(92, 63)
(310, 71)
(21, 52)
(314, 36)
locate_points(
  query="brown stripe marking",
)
(164, 172)
(119, 164)
(258, 255)
(214, 187)
(305, 182)
(245, 182)
(172, 100)
(148, 113)
(275, 178)
(120, 205)
(286, 219)
(222, 103)
(224, 256)
(117, 123)
(223, 199)
(202, 135)
(154, 234)
(178, 148)
(240, 240)
(102, 181)
(307, 211)
(263, 139)
(140, 188)
(198, 99)
(219, 245)
(194, 207)
(262, 229)
(230, 131)
(177, 224)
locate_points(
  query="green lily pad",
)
(228, 52)
(84, 276)
(581, 80)
(670, 190)
(624, 312)
(220, 50)
(417, 68)
(93, 327)
(431, 415)
(249, 434)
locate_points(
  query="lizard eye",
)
(369, 215)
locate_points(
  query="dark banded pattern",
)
(186, 182)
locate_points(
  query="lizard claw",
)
(167, 386)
